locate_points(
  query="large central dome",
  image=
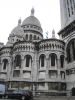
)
(32, 23)
(32, 20)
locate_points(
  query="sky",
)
(47, 11)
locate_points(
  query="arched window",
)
(26, 36)
(28, 61)
(18, 61)
(62, 61)
(17, 40)
(42, 60)
(38, 38)
(68, 55)
(71, 51)
(34, 37)
(53, 59)
(30, 38)
(5, 61)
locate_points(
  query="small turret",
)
(53, 33)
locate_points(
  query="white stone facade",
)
(67, 10)
(28, 61)
(67, 34)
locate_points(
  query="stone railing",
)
(51, 44)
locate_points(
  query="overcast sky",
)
(47, 11)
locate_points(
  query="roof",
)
(31, 20)
(17, 31)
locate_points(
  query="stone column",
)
(55, 63)
(44, 61)
(22, 66)
(40, 63)
(13, 59)
(58, 64)
(24, 62)
(33, 89)
(9, 85)
(46, 86)
(2, 65)
(49, 61)
(47, 67)
(37, 72)
(30, 62)
(9, 69)
(32, 69)
(34, 66)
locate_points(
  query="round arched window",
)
(71, 51)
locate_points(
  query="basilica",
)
(28, 61)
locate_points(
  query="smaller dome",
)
(18, 30)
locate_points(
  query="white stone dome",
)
(31, 20)
(32, 23)
(17, 31)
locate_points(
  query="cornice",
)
(68, 29)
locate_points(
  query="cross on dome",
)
(32, 12)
